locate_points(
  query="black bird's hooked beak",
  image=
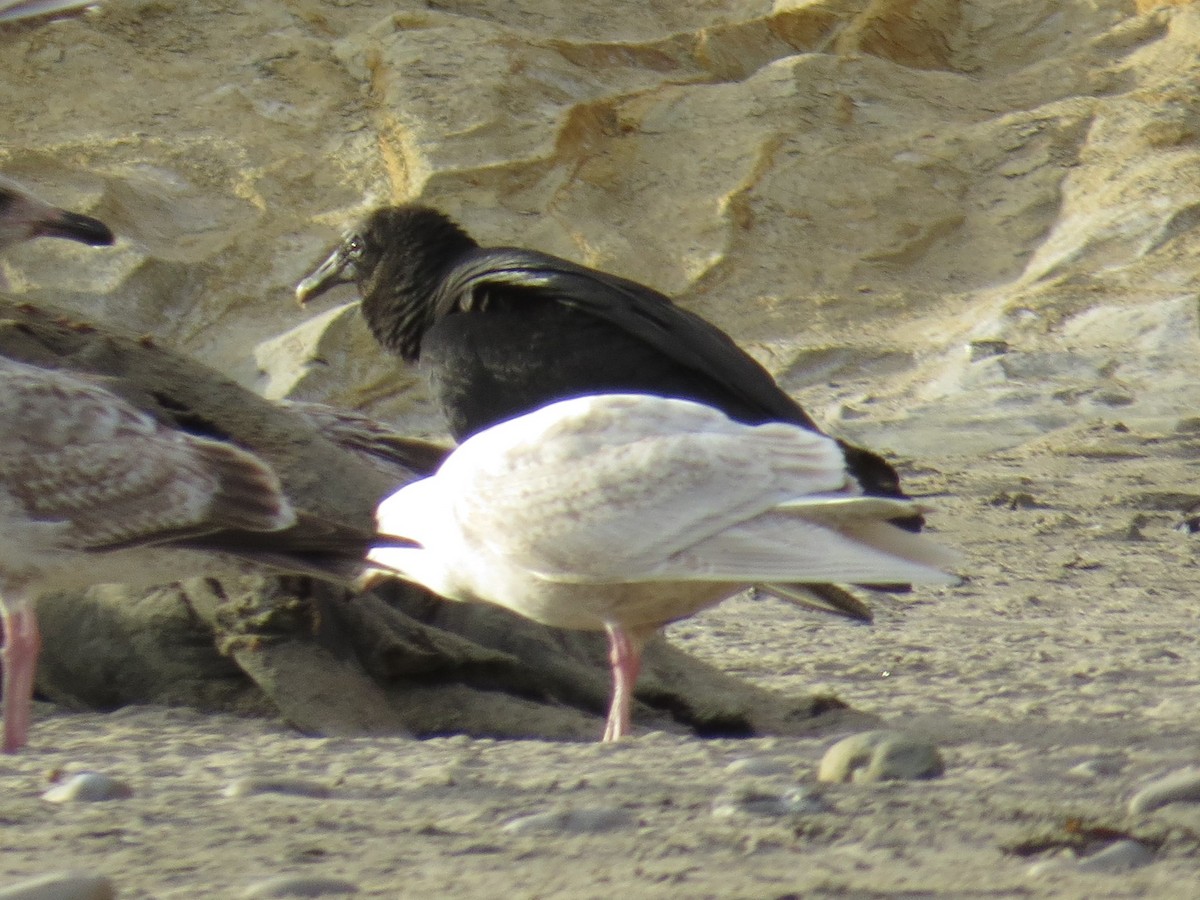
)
(340, 268)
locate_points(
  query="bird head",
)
(350, 263)
(24, 217)
(395, 246)
(400, 257)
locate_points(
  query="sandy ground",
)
(1074, 640)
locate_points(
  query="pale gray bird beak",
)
(339, 268)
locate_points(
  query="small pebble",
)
(62, 886)
(294, 787)
(880, 756)
(770, 803)
(760, 765)
(88, 787)
(1056, 865)
(299, 886)
(1118, 857)
(1100, 767)
(572, 821)
(1178, 787)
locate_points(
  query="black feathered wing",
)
(650, 316)
(636, 309)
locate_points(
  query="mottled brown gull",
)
(95, 489)
(626, 512)
(89, 487)
(109, 475)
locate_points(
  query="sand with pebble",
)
(1057, 683)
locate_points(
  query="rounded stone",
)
(88, 787)
(572, 821)
(1178, 787)
(1118, 857)
(881, 756)
(299, 886)
(62, 886)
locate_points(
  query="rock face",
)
(917, 212)
(946, 228)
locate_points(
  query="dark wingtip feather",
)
(826, 598)
(249, 494)
(320, 548)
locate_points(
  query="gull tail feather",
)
(824, 539)
(864, 519)
(825, 598)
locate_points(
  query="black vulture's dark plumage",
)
(503, 331)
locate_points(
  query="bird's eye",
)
(355, 247)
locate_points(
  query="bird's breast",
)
(589, 607)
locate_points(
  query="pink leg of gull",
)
(625, 653)
(22, 641)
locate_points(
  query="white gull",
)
(625, 512)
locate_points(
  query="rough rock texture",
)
(926, 213)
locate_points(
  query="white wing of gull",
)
(627, 512)
(89, 490)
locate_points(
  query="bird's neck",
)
(400, 299)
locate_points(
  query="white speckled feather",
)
(552, 490)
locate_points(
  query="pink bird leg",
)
(22, 642)
(625, 653)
